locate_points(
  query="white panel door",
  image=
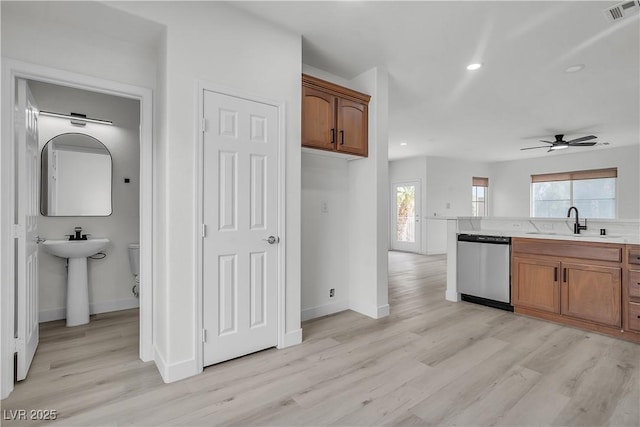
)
(27, 226)
(406, 231)
(240, 212)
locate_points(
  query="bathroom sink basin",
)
(75, 248)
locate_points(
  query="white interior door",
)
(240, 212)
(406, 231)
(27, 332)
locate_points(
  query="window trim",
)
(477, 181)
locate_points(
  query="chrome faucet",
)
(577, 227)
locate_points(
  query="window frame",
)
(483, 182)
(571, 177)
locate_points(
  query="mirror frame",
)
(42, 170)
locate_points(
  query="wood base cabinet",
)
(631, 290)
(592, 293)
(334, 118)
(535, 284)
(581, 284)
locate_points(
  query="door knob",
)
(272, 239)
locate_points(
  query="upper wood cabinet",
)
(334, 118)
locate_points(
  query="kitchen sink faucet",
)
(577, 227)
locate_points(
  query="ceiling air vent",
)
(622, 10)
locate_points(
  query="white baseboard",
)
(324, 310)
(383, 311)
(451, 296)
(370, 310)
(437, 252)
(172, 372)
(291, 338)
(94, 308)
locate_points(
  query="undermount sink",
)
(551, 233)
(75, 248)
(77, 252)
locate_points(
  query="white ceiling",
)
(521, 95)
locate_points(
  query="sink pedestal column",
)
(77, 292)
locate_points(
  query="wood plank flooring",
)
(431, 362)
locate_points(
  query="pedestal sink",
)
(77, 252)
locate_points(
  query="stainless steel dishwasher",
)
(484, 270)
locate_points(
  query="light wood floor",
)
(431, 362)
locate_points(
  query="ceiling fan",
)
(560, 143)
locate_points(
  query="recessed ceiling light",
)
(574, 68)
(403, 144)
(474, 66)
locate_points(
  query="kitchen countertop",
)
(624, 231)
(583, 237)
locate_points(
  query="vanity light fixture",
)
(76, 119)
(474, 66)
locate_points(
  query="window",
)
(479, 196)
(593, 192)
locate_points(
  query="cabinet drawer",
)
(634, 256)
(563, 248)
(634, 283)
(634, 316)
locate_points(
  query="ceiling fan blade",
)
(548, 142)
(582, 144)
(531, 148)
(584, 138)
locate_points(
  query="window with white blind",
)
(593, 192)
(480, 196)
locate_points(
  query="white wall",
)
(369, 204)
(412, 169)
(511, 181)
(110, 279)
(84, 37)
(217, 43)
(324, 182)
(178, 44)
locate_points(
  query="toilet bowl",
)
(134, 263)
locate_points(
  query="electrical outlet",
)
(324, 206)
(332, 293)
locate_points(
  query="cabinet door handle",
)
(564, 275)
(341, 137)
(333, 136)
(555, 274)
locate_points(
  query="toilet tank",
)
(134, 258)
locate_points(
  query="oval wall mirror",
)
(76, 177)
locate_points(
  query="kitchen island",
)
(586, 280)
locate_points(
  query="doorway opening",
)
(135, 204)
(406, 233)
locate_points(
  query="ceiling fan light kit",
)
(561, 144)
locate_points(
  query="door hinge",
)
(17, 230)
(18, 345)
(204, 230)
(204, 335)
(203, 125)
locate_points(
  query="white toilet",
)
(134, 262)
